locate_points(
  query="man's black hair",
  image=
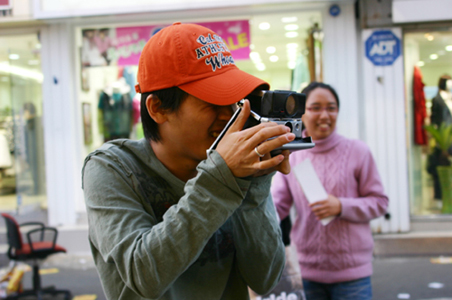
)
(170, 98)
(313, 85)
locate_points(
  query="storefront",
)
(22, 164)
(94, 58)
(406, 68)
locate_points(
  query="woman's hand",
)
(238, 147)
(331, 206)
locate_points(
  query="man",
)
(167, 220)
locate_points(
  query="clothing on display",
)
(420, 111)
(116, 109)
(441, 113)
(5, 155)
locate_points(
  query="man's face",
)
(193, 128)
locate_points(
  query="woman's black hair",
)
(170, 98)
(315, 84)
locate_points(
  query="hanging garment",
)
(420, 111)
(5, 155)
(117, 114)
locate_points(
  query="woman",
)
(335, 260)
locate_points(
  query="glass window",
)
(22, 166)
(428, 62)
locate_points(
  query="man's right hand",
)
(237, 147)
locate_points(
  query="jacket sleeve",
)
(282, 195)
(260, 251)
(372, 201)
(147, 252)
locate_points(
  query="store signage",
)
(123, 45)
(5, 4)
(383, 48)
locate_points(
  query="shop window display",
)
(22, 166)
(428, 60)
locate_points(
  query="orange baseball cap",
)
(195, 59)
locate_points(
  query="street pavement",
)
(416, 278)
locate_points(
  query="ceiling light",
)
(260, 67)
(252, 46)
(291, 65)
(433, 56)
(430, 38)
(420, 63)
(264, 26)
(22, 72)
(449, 48)
(289, 19)
(271, 50)
(291, 34)
(274, 58)
(255, 57)
(33, 62)
(14, 56)
(290, 27)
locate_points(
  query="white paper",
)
(311, 185)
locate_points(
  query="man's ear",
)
(153, 105)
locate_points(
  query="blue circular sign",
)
(335, 10)
(383, 48)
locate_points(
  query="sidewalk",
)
(415, 278)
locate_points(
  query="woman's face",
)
(321, 114)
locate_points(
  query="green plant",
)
(442, 136)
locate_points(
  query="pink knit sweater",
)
(341, 250)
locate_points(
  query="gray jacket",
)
(154, 236)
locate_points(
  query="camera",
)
(283, 108)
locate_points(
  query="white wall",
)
(340, 67)
(384, 106)
(408, 11)
(61, 127)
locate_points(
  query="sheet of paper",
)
(311, 185)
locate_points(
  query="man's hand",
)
(331, 206)
(238, 147)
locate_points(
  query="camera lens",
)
(289, 124)
(291, 105)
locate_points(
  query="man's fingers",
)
(241, 118)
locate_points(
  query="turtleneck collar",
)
(325, 144)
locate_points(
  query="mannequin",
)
(442, 103)
(441, 113)
(115, 110)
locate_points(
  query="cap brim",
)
(225, 88)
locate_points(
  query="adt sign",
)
(383, 48)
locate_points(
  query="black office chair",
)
(32, 250)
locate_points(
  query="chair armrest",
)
(30, 242)
(32, 223)
(35, 224)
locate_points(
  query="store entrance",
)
(428, 71)
(22, 166)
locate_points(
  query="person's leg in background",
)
(316, 290)
(360, 289)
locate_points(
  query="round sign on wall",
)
(383, 48)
